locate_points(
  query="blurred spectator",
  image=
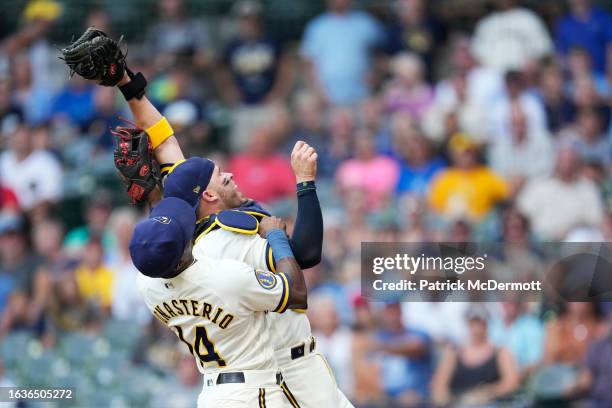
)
(37, 21)
(256, 71)
(34, 175)
(521, 333)
(588, 137)
(515, 94)
(416, 31)
(338, 145)
(93, 277)
(467, 188)
(309, 124)
(406, 91)
(558, 107)
(26, 285)
(99, 18)
(510, 37)
(127, 302)
(584, 95)
(580, 64)
(455, 110)
(477, 373)
(338, 65)
(185, 109)
(418, 163)
(178, 37)
(97, 211)
(68, 310)
(527, 153)
(106, 117)
(588, 27)
(262, 174)
(75, 103)
(48, 238)
(375, 174)
(406, 361)
(333, 341)
(443, 321)
(10, 113)
(565, 200)
(368, 387)
(34, 99)
(569, 336)
(596, 377)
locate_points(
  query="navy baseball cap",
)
(158, 243)
(189, 179)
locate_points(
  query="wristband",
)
(135, 88)
(305, 186)
(159, 132)
(280, 244)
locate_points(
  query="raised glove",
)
(95, 56)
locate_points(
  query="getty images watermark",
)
(486, 272)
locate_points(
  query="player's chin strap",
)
(136, 87)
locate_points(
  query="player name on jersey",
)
(189, 307)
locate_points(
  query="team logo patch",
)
(162, 219)
(266, 279)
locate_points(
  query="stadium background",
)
(443, 120)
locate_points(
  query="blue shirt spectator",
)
(339, 44)
(253, 66)
(586, 27)
(521, 333)
(416, 179)
(406, 362)
(76, 103)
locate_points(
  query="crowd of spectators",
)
(428, 128)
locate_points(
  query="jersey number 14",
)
(201, 341)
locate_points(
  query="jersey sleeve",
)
(262, 290)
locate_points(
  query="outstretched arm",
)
(147, 116)
(307, 237)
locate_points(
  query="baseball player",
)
(217, 307)
(228, 234)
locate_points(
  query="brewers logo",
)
(266, 279)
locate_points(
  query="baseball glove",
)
(134, 160)
(95, 56)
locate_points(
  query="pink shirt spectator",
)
(263, 179)
(377, 177)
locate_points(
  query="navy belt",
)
(238, 378)
(299, 351)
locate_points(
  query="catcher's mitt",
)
(133, 156)
(95, 56)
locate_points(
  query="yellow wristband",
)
(159, 132)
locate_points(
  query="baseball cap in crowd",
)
(189, 179)
(158, 243)
(461, 142)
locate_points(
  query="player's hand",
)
(304, 162)
(267, 224)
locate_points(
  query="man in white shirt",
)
(34, 175)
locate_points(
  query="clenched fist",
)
(267, 224)
(304, 162)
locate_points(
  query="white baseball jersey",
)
(217, 308)
(288, 329)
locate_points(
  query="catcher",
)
(228, 222)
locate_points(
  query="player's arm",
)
(286, 265)
(307, 237)
(148, 117)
